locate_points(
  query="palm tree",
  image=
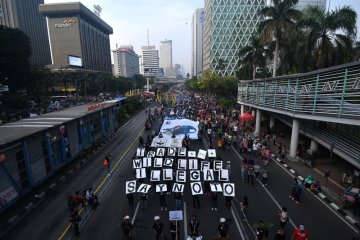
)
(254, 55)
(279, 23)
(331, 34)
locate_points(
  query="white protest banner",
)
(180, 176)
(192, 154)
(176, 215)
(155, 175)
(224, 175)
(205, 165)
(211, 153)
(218, 165)
(179, 128)
(182, 163)
(140, 173)
(216, 187)
(177, 187)
(208, 175)
(130, 187)
(168, 162)
(201, 154)
(137, 163)
(146, 162)
(158, 162)
(140, 152)
(167, 174)
(151, 154)
(196, 188)
(193, 164)
(164, 142)
(182, 152)
(171, 152)
(161, 188)
(229, 189)
(143, 188)
(195, 175)
(160, 152)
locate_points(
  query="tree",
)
(254, 55)
(279, 23)
(15, 51)
(331, 34)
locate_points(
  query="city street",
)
(50, 220)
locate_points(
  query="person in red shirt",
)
(300, 234)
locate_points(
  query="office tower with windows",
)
(126, 61)
(229, 24)
(149, 61)
(197, 26)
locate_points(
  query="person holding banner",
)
(194, 225)
(127, 228)
(174, 230)
(158, 228)
(162, 201)
(223, 229)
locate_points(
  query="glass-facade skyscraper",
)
(229, 24)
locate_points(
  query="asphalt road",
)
(50, 220)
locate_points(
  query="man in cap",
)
(300, 234)
(223, 229)
(158, 228)
(127, 228)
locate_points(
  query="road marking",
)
(185, 220)
(325, 204)
(333, 205)
(321, 195)
(235, 216)
(106, 177)
(292, 171)
(136, 211)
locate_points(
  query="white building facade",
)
(126, 62)
(166, 54)
(149, 61)
(197, 26)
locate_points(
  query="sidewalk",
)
(337, 168)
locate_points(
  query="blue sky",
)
(165, 19)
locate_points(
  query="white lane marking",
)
(278, 159)
(333, 205)
(350, 219)
(185, 220)
(325, 204)
(136, 211)
(292, 171)
(300, 178)
(285, 165)
(238, 224)
(321, 195)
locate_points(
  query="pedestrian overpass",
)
(328, 95)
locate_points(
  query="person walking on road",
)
(284, 217)
(257, 169)
(300, 234)
(127, 228)
(214, 201)
(244, 207)
(107, 163)
(143, 198)
(174, 230)
(178, 197)
(250, 174)
(228, 200)
(162, 198)
(223, 229)
(196, 201)
(75, 219)
(130, 197)
(194, 225)
(158, 228)
(264, 175)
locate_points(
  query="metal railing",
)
(331, 92)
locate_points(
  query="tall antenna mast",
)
(147, 31)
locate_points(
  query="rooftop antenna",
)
(97, 10)
(329, 6)
(147, 31)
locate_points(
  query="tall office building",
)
(197, 26)
(302, 4)
(78, 37)
(149, 61)
(166, 54)
(126, 62)
(25, 16)
(229, 24)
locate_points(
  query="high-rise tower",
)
(197, 41)
(229, 24)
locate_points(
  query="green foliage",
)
(129, 108)
(15, 51)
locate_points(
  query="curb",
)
(331, 204)
(41, 197)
